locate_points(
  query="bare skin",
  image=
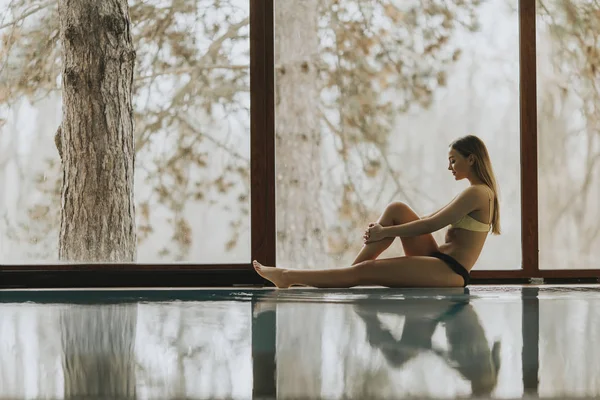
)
(416, 268)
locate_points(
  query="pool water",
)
(480, 342)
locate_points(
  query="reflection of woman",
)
(469, 352)
(471, 216)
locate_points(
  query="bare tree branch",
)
(27, 14)
(219, 145)
(180, 71)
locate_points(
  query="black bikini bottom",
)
(454, 266)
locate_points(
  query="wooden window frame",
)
(263, 207)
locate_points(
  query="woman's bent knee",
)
(401, 212)
(398, 205)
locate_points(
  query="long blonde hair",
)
(472, 145)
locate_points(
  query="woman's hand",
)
(374, 233)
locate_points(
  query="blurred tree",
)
(300, 222)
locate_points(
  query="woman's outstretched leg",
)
(321, 278)
(391, 272)
(398, 213)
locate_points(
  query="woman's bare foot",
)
(274, 275)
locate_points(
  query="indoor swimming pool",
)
(480, 342)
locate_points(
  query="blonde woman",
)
(470, 216)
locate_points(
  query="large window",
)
(568, 94)
(354, 104)
(191, 105)
(368, 97)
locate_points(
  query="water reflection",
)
(468, 351)
(98, 351)
(401, 346)
(288, 344)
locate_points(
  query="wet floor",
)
(481, 342)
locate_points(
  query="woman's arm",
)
(435, 212)
(462, 205)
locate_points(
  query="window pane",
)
(368, 97)
(568, 98)
(191, 120)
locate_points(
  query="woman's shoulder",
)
(480, 190)
(479, 193)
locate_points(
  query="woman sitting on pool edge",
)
(425, 264)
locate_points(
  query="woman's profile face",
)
(458, 165)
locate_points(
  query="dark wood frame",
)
(262, 153)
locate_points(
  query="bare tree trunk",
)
(298, 137)
(96, 135)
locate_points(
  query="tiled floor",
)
(487, 341)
